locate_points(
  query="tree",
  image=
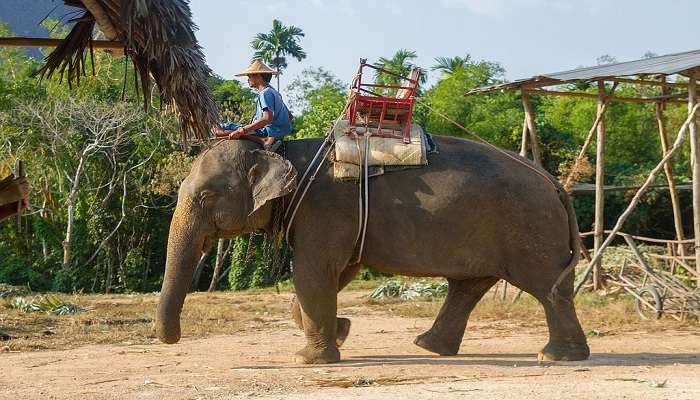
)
(449, 65)
(274, 47)
(401, 63)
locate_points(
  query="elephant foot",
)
(435, 344)
(564, 351)
(310, 355)
(342, 331)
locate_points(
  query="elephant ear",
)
(270, 177)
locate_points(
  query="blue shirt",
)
(270, 99)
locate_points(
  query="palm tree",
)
(274, 47)
(450, 65)
(400, 63)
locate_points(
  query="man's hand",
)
(237, 133)
(218, 131)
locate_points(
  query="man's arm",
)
(265, 120)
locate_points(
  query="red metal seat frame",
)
(363, 101)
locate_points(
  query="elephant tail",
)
(573, 241)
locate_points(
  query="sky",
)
(527, 37)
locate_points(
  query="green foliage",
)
(46, 304)
(450, 65)
(321, 97)
(496, 118)
(252, 263)
(236, 102)
(409, 291)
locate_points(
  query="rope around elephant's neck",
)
(328, 140)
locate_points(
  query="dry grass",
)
(598, 315)
(128, 319)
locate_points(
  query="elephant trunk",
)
(185, 243)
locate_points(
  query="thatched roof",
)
(158, 36)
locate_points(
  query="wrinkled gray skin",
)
(473, 216)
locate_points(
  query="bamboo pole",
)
(523, 140)
(674, 98)
(635, 200)
(694, 161)
(45, 42)
(599, 226)
(530, 121)
(668, 171)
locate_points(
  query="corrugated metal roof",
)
(670, 64)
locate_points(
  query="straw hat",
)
(258, 67)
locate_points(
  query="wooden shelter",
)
(676, 77)
(158, 36)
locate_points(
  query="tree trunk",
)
(71, 210)
(198, 272)
(217, 264)
(278, 78)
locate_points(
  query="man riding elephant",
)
(524, 230)
(272, 117)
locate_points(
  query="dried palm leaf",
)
(158, 36)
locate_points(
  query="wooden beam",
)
(669, 99)
(694, 162)
(532, 129)
(45, 42)
(668, 171)
(661, 83)
(599, 223)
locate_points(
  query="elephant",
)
(475, 214)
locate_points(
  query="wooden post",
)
(599, 224)
(695, 163)
(523, 140)
(20, 174)
(530, 121)
(668, 171)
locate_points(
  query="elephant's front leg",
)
(342, 329)
(316, 290)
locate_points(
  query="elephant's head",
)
(229, 192)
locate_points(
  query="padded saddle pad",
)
(382, 151)
(389, 152)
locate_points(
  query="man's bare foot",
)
(268, 141)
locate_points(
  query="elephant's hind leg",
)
(446, 334)
(342, 324)
(567, 341)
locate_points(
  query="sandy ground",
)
(379, 361)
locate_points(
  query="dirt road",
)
(497, 360)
